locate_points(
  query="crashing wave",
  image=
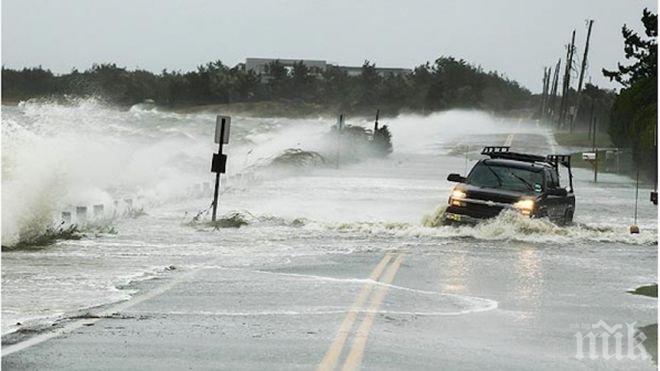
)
(290, 160)
(240, 218)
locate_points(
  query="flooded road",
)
(331, 267)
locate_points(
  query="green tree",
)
(642, 52)
(448, 83)
(634, 115)
(335, 88)
(302, 81)
(368, 86)
(278, 79)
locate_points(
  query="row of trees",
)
(447, 83)
(634, 114)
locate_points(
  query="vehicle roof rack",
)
(564, 160)
(557, 160)
(553, 160)
(494, 149)
(504, 153)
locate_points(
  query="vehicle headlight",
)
(524, 206)
(457, 194)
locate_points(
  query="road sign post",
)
(219, 160)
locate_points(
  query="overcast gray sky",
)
(515, 37)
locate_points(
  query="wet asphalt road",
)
(287, 317)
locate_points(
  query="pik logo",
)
(610, 342)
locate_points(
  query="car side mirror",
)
(561, 192)
(453, 177)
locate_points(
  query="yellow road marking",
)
(509, 140)
(354, 358)
(331, 356)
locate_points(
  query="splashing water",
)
(56, 157)
(59, 156)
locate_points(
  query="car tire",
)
(568, 218)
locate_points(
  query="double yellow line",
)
(354, 358)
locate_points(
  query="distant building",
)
(258, 65)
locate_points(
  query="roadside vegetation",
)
(583, 139)
(634, 114)
(648, 290)
(40, 240)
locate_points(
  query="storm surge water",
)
(56, 157)
(292, 191)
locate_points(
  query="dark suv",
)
(525, 183)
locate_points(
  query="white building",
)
(258, 65)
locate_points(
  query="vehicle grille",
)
(476, 210)
(491, 197)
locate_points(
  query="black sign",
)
(219, 163)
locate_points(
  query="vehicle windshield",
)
(508, 178)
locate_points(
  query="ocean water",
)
(58, 157)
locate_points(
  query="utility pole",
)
(560, 115)
(591, 119)
(567, 81)
(582, 69)
(544, 93)
(542, 105)
(553, 90)
(568, 78)
(339, 129)
(547, 89)
(593, 145)
(654, 194)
